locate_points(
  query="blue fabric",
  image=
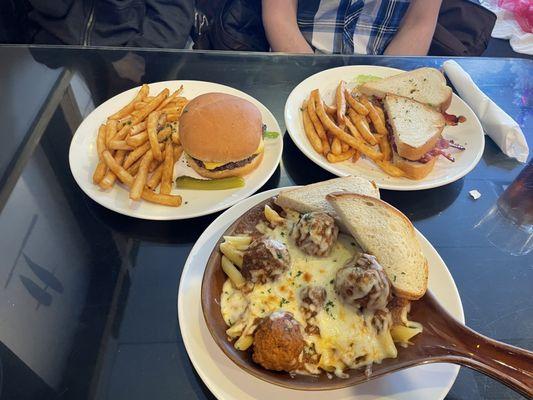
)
(350, 26)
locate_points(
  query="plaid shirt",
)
(350, 26)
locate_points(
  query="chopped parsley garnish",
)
(283, 301)
(331, 281)
(329, 305)
(298, 274)
(269, 290)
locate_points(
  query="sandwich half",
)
(416, 133)
(425, 85)
(386, 233)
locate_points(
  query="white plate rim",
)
(84, 186)
(416, 184)
(222, 222)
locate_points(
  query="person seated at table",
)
(392, 27)
(128, 23)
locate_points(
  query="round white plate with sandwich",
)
(226, 380)
(412, 105)
(257, 165)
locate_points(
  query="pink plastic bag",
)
(522, 10)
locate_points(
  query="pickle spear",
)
(187, 182)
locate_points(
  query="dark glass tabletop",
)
(88, 296)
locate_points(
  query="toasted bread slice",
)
(313, 197)
(383, 231)
(426, 85)
(415, 126)
(413, 169)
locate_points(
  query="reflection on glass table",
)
(508, 225)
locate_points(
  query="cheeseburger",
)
(222, 135)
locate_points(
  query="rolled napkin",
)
(496, 123)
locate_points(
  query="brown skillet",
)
(443, 340)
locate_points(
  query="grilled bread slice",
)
(313, 197)
(386, 233)
(416, 127)
(425, 85)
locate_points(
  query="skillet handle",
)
(448, 340)
(510, 365)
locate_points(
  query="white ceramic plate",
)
(83, 160)
(227, 381)
(470, 133)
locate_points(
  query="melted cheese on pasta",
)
(347, 339)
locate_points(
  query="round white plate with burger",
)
(433, 136)
(224, 133)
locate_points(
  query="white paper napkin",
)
(496, 123)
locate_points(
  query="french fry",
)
(111, 130)
(390, 168)
(148, 195)
(239, 242)
(143, 92)
(99, 172)
(177, 153)
(151, 128)
(170, 99)
(345, 137)
(355, 104)
(344, 147)
(140, 178)
(321, 132)
(356, 156)
(272, 216)
(175, 136)
(163, 199)
(331, 111)
(379, 124)
(119, 145)
(100, 140)
(332, 158)
(168, 169)
(150, 107)
(164, 134)
(380, 112)
(124, 121)
(171, 117)
(362, 127)
(336, 147)
(122, 133)
(136, 154)
(148, 98)
(155, 178)
(385, 147)
(353, 130)
(139, 105)
(155, 164)
(311, 133)
(109, 179)
(140, 127)
(341, 104)
(138, 139)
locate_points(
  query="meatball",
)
(382, 321)
(313, 297)
(312, 300)
(265, 260)
(315, 233)
(362, 283)
(278, 342)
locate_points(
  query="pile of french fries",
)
(353, 126)
(140, 144)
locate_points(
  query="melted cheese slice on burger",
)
(213, 165)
